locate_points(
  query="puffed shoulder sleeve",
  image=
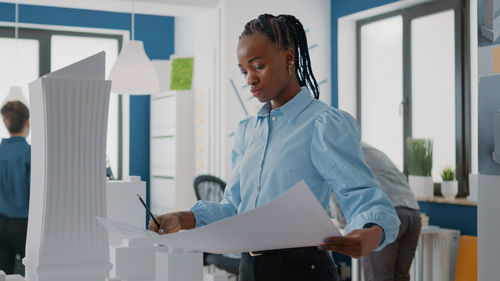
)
(337, 155)
(206, 212)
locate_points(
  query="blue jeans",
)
(295, 264)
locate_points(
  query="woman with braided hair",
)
(294, 137)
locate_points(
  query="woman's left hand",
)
(356, 244)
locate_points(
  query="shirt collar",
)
(14, 139)
(292, 108)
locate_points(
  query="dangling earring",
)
(290, 66)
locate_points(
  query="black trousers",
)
(295, 264)
(12, 241)
(394, 261)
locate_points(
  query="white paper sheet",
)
(295, 219)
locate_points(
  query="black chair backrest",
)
(209, 188)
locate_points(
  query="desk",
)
(14, 277)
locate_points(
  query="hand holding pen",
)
(170, 222)
(173, 222)
(157, 224)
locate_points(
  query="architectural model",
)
(178, 265)
(134, 259)
(122, 204)
(490, 28)
(69, 121)
(496, 130)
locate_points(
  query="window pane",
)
(382, 86)
(433, 85)
(69, 49)
(18, 67)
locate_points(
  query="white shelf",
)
(172, 148)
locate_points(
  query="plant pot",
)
(449, 189)
(421, 186)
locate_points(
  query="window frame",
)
(43, 36)
(462, 81)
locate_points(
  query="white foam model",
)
(134, 259)
(496, 133)
(123, 204)
(216, 276)
(179, 265)
(491, 20)
(69, 121)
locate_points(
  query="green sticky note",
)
(182, 74)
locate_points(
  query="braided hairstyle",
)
(287, 32)
(15, 114)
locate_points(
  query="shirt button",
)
(274, 118)
(256, 187)
(313, 266)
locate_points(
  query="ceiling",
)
(152, 7)
(193, 3)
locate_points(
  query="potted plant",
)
(449, 186)
(419, 156)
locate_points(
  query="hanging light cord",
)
(16, 36)
(16, 27)
(133, 16)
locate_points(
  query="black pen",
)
(149, 211)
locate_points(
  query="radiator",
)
(435, 258)
(436, 255)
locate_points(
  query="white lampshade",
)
(133, 72)
(15, 94)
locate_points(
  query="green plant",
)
(419, 156)
(448, 174)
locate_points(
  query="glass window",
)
(66, 50)
(433, 86)
(409, 63)
(382, 86)
(19, 66)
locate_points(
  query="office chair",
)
(466, 268)
(210, 188)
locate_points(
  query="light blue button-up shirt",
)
(308, 140)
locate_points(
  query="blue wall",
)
(157, 33)
(463, 218)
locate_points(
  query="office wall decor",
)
(182, 74)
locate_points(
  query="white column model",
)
(69, 121)
(490, 28)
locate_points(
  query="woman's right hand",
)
(173, 222)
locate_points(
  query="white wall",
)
(211, 37)
(199, 36)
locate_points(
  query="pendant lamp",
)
(15, 94)
(133, 73)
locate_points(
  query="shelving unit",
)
(172, 147)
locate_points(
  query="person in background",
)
(15, 162)
(394, 261)
(293, 137)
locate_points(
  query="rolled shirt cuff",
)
(389, 224)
